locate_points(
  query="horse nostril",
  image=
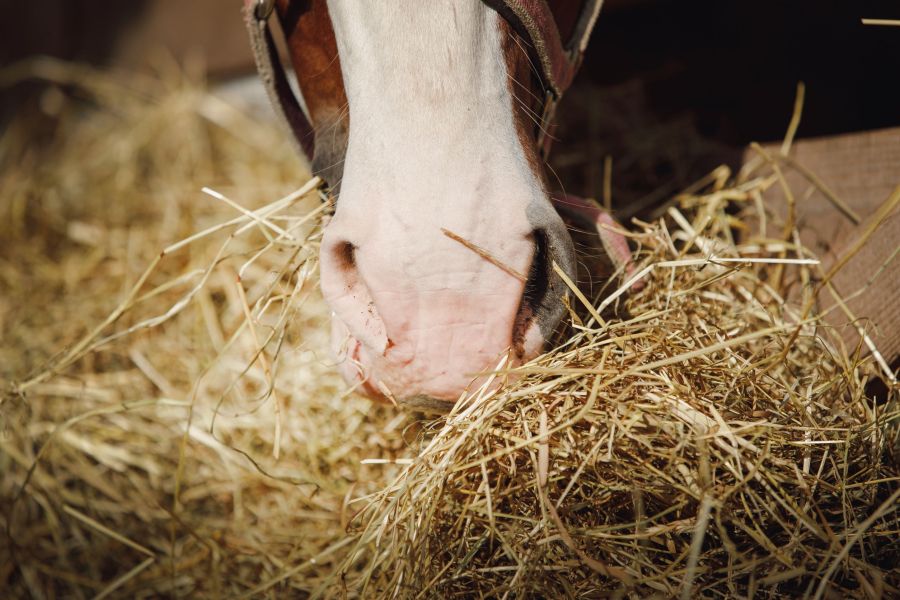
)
(538, 281)
(343, 261)
(345, 255)
(536, 288)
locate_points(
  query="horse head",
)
(429, 125)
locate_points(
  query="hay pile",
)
(139, 420)
(179, 429)
(711, 444)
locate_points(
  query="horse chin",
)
(377, 378)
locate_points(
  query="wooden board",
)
(862, 170)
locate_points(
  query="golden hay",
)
(179, 429)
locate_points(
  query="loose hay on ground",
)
(708, 438)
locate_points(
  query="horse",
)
(445, 256)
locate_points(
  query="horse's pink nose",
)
(422, 320)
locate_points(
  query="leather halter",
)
(556, 60)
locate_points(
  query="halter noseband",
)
(557, 61)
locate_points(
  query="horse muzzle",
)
(424, 318)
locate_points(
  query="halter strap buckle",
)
(263, 9)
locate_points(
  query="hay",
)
(139, 418)
(712, 443)
(179, 429)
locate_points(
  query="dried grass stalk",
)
(700, 436)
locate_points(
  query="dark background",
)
(673, 88)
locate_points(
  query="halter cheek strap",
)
(274, 75)
(557, 61)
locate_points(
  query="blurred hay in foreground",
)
(179, 429)
(147, 447)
